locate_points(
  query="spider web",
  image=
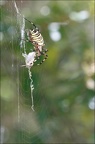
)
(61, 103)
(27, 127)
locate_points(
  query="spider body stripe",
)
(35, 37)
(39, 38)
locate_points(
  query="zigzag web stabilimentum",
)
(21, 22)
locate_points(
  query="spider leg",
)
(26, 40)
(35, 27)
(45, 50)
(46, 56)
(30, 22)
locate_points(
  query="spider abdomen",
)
(36, 38)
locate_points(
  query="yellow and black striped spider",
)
(34, 36)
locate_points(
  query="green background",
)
(63, 84)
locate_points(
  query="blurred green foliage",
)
(63, 84)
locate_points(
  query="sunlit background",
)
(64, 94)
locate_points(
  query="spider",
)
(34, 36)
